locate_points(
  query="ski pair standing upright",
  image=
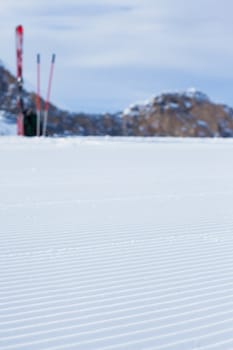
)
(19, 75)
(21, 130)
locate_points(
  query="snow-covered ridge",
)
(7, 126)
(169, 100)
(196, 95)
(187, 113)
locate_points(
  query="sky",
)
(113, 53)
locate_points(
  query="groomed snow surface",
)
(110, 243)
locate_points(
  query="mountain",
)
(190, 113)
(185, 114)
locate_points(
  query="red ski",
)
(19, 62)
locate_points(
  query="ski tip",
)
(38, 58)
(53, 58)
(19, 29)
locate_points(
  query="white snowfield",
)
(116, 244)
(7, 127)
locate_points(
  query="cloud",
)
(86, 10)
(63, 8)
(121, 35)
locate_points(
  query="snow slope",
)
(7, 127)
(121, 244)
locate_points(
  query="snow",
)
(116, 243)
(197, 95)
(171, 105)
(187, 104)
(134, 110)
(7, 127)
(202, 123)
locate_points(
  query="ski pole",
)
(38, 109)
(48, 95)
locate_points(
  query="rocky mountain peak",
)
(188, 113)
